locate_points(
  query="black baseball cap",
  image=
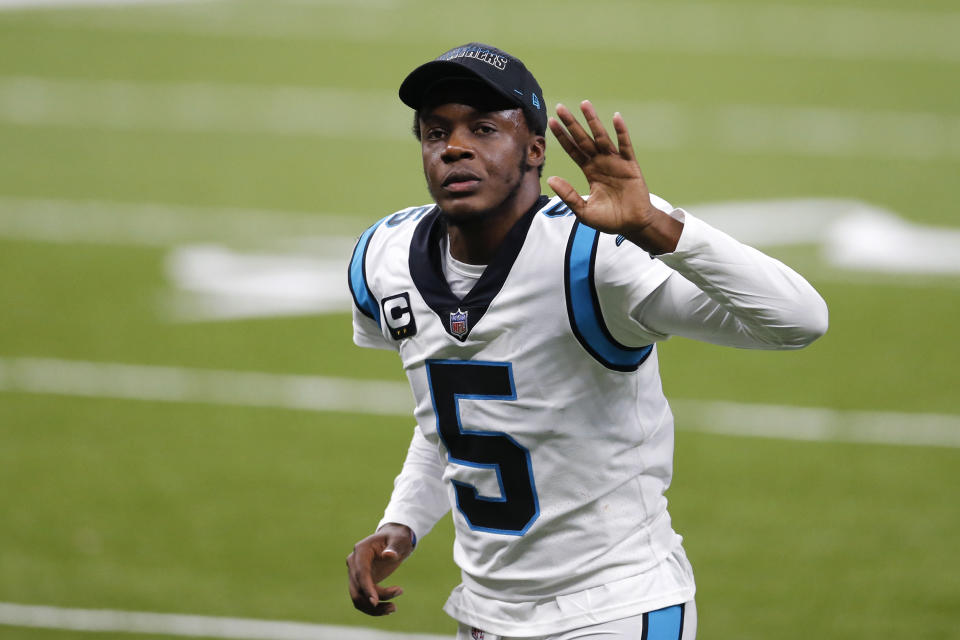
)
(495, 68)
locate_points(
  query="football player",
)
(527, 328)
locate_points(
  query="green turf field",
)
(129, 134)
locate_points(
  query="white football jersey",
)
(548, 426)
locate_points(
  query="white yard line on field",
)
(228, 264)
(167, 225)
(196, 107)
(375, 114)
(826, 32)
(63, 4)
(853, 234)
(105, 620)
(204, 386)
(818, 424)
(315, 393)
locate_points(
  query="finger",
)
(383, 609)
(398, 547)
(355, 594)
(566, 192)
(623, 137)
(360, 563)
(389, 593)
(369, 588)
(567, 142)
(600, 136)
(367, 605)
(583, 141)
(363, 592)
(360, 601)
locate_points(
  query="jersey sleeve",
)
(728, 293)
(366, 309)
(712, 288)
(419, 497)
(366, 332)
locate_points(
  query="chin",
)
(463, 208)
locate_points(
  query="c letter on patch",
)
(399, 316)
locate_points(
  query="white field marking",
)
(855, 234)
(105, 620)
(759, 222)
(239, 263)
(888, 244)
(851, 233)
(236, 109)
(770, 223)
(61, 4)
(376, 114)
(315, 393)
(217, 283)
(166, 225)
(836, 132)
(365, 4)
(204, 386)
(299, 266)
(710, 29)
(818, 424)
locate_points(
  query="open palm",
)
(619, 201)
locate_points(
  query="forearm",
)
(739, 296)
(419, 497)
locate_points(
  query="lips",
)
(460, 181)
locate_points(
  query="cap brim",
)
(415, 86)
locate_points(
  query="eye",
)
(484, 129)
(434, 133)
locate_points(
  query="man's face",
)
(476, 150)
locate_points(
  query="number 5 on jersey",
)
(516, 509)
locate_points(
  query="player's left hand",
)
(619, 200)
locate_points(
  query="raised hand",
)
(619, 200)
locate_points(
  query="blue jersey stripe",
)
(664, 624)
(583, 305)
(357, 276)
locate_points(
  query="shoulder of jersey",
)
(400, 225)
(375, 247)
(395, 225)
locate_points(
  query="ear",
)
(536, 151)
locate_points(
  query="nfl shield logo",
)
(476, 634)
(458, 323)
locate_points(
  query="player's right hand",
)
(373, 559)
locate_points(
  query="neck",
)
(475, 241)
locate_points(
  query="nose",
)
(458, 147)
